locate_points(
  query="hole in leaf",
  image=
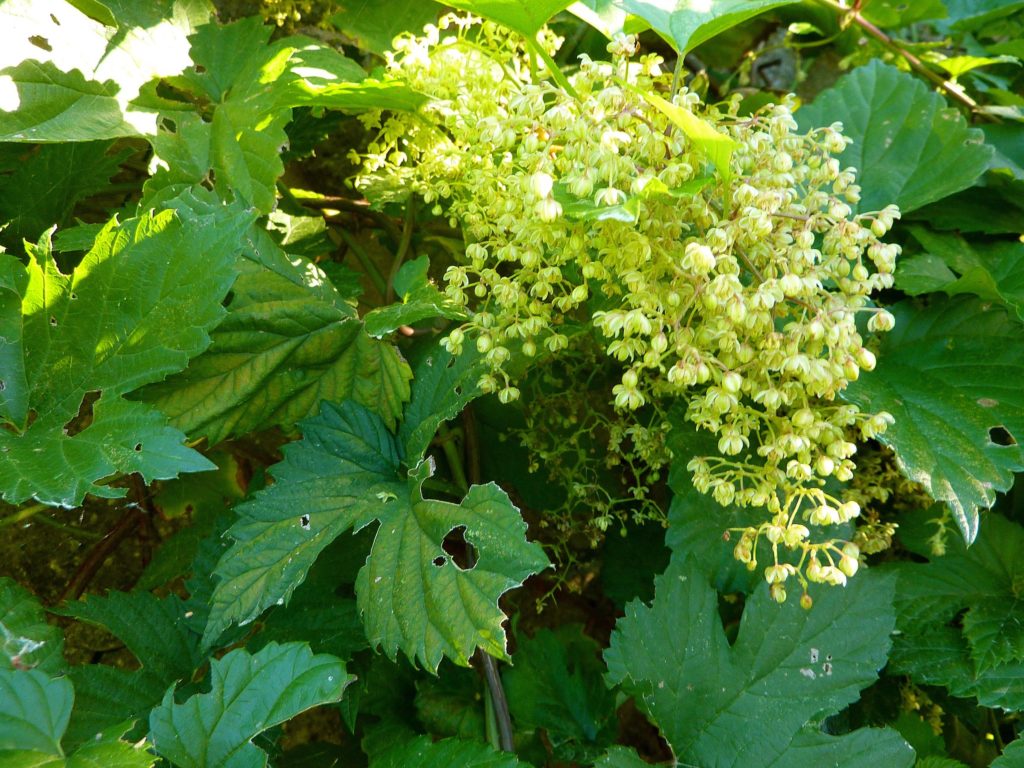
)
(138, 447)
(53, 321)
(83, 418)
(40, 42)
(304, 522)
(460, 550)
(1000, 436)
(200, 69)
(74, 296)
(3, 385)
(439, 561)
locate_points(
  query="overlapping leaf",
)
(374, 25)
(155, 630)
(70, 77)
(252, 84)
(41, 185)
(960, 615)
(26, 640)
(757, 702)
(421, 752)
(419, 300)
(288, 342)
(524, 16)
(412, 595)
(34, 712)
(950, 374)
(555, 683)
(909, 147)
(993, 271)
(136, 309)
(688, 23)
(249, 693)
(941, 656)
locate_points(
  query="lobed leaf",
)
(249, 693)
(909, 146)
(977, 585)
(288, 342)
(442, 385)
(411, 593)
(43, 184)
(156, 632)
(136, 309)
(555, 683)
(79, 85)
(756, 702)
(992, 271)
(949, 374)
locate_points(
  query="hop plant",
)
(736, 289)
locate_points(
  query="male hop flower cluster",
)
(586, 201)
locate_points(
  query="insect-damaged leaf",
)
(413, 595)
(136, 309)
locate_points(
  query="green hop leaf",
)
(768, 690)
(411, 593)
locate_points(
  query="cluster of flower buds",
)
(583, 202)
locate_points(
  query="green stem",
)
(70, 530)
(371, 269)
(677, 76)
(451, 455)
(403, 250)
(498, 718)
(556, 73)
(22, 514)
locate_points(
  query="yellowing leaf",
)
(717, 146)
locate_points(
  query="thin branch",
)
(953, 89)
(100, 552)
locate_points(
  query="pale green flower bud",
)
(541, 184)
(699, 258)
(881, 321)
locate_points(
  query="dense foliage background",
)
(260, 504)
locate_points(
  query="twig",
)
(953, 89)
(100, 552)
